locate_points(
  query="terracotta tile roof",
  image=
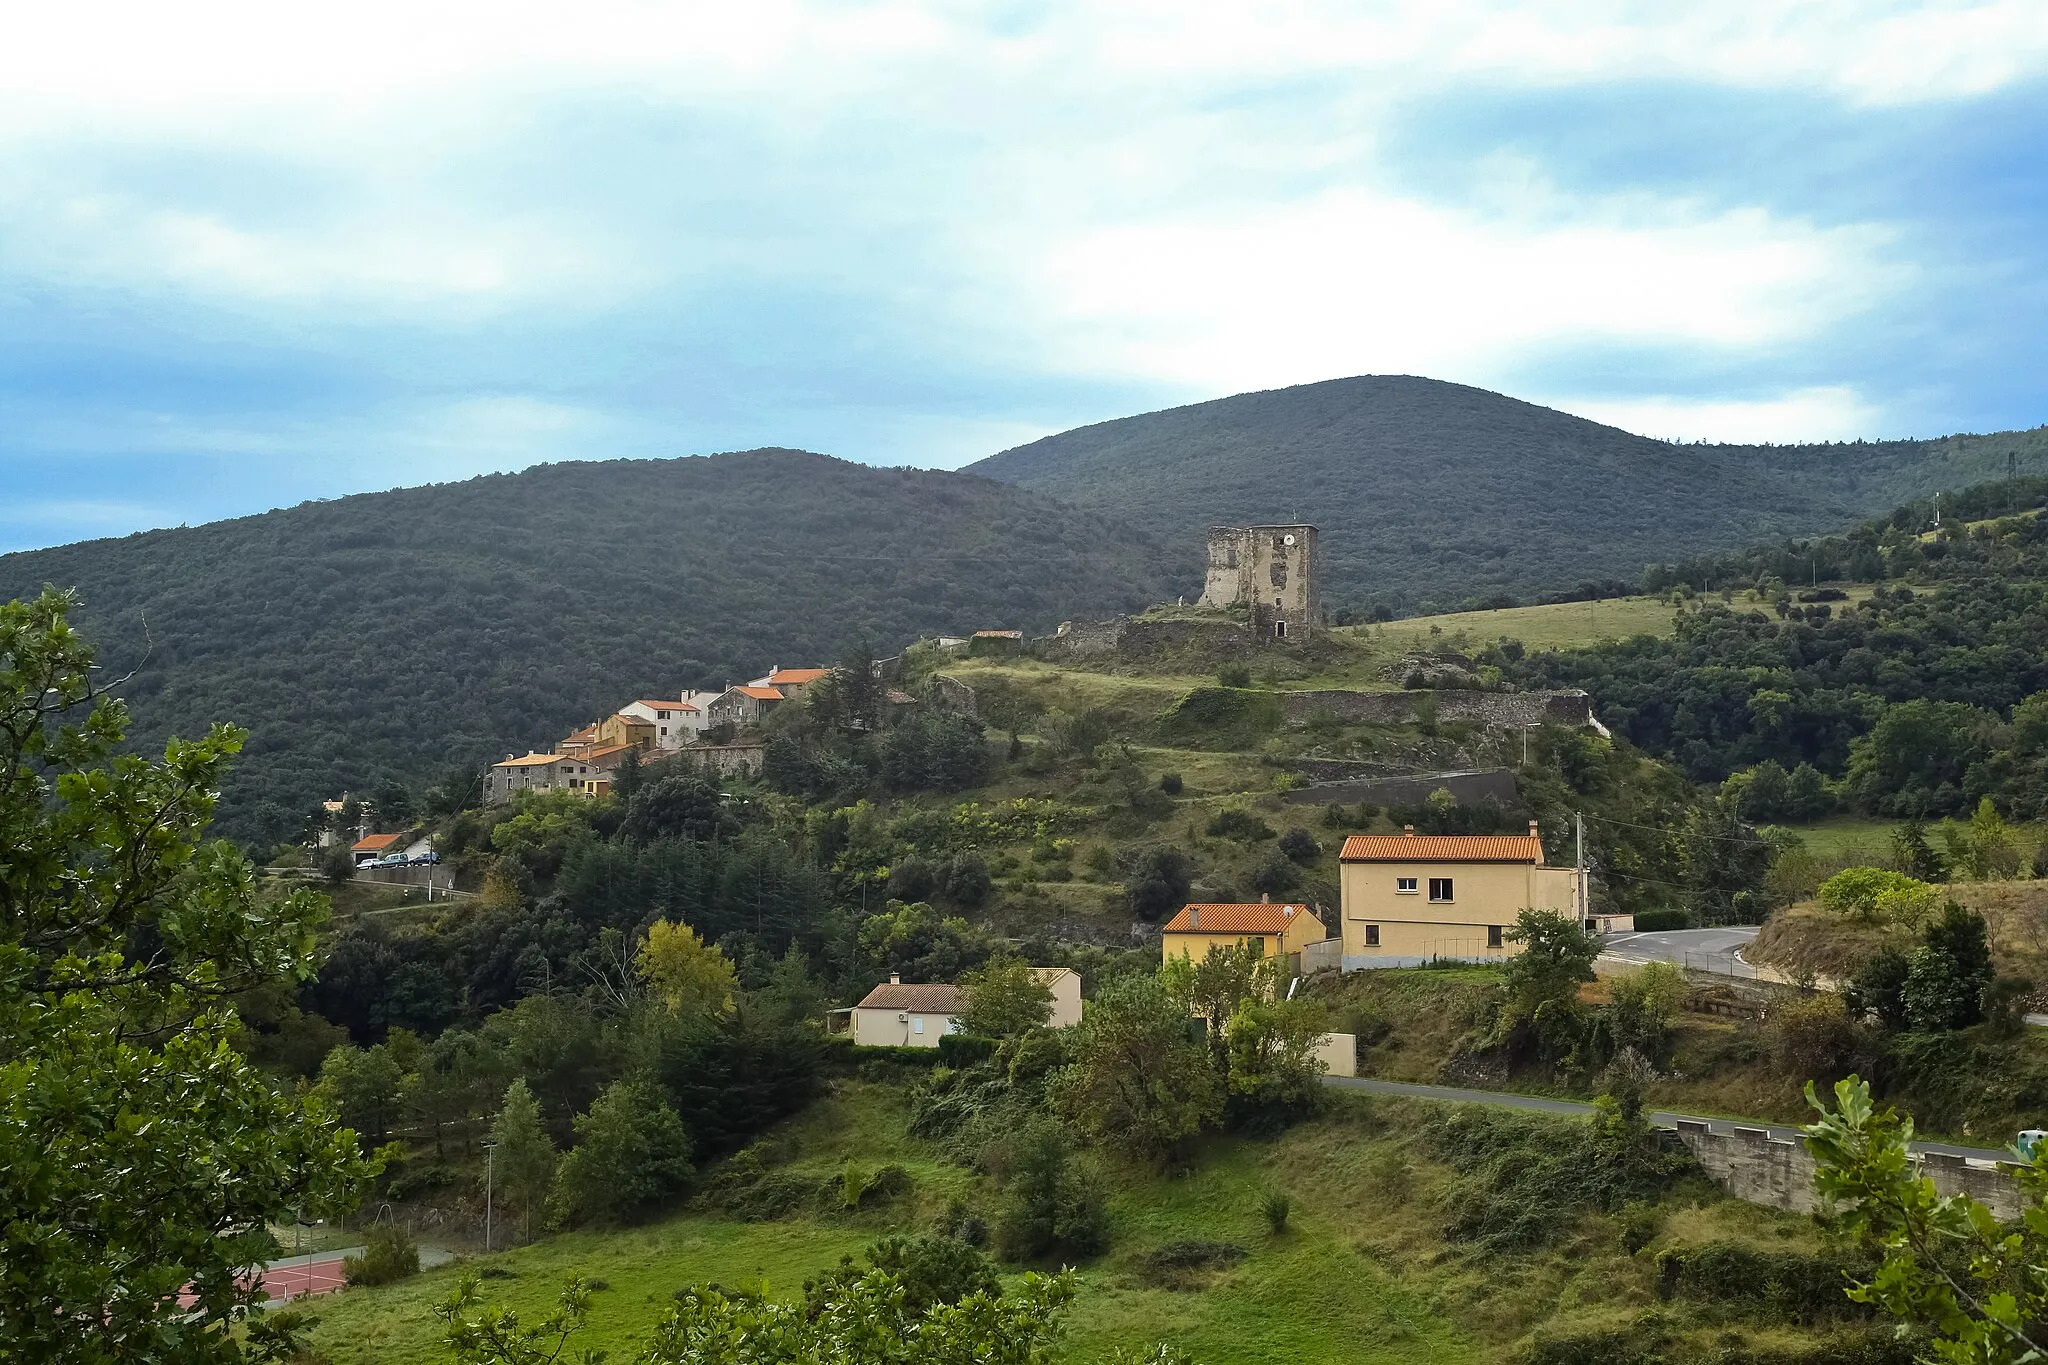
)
(665, 705)
(586, 733)
(797, 676)
(530, 761)
(609, 751)
(1443, 848)
(922, 999)
(1256, 918)
(759, 693)
(376, 843)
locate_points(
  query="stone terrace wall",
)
(1497, 784)
(1495, 710)
(1754, 1166)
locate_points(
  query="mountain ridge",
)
(1432, 495)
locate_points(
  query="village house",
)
(536, 772)
(1283, 929)
(899, 1015)
(1409, 897)
(623, 729)
(675, 723)
(790, 682)
(745, 704)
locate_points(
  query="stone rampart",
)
(955, 695)
(1495, 710)
(1778, 1173)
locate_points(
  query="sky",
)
(253, 254)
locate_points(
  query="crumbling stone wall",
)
(1495, 710)
(1754, 1166)
(1126, 638)
(1495, 784)
(1270, 569)
(954, 695)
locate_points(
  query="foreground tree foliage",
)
(848, 1319)
(1948, 1264)
(140, 1153)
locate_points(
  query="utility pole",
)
(490, 1163)
(1579, 831)
(1937, 511)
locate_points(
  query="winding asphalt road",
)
(1706, 950)
(1544, 1105)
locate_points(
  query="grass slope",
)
(1361, 1274)
(1430, 493)
(395, 633)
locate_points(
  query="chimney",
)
(895, 978)
(1265, 897)
(1532, 831)
(1194, 917)
(1287, 912)
(1408, 830)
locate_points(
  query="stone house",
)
(1270, 570)
(745, 704)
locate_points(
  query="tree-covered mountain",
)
(391, 634)
(1430, 495)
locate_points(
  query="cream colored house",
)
(896, 1015)
(1409, 897)
(1198, 928)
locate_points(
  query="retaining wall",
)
(1126, 638)
(1754, 1166)
(1495, 710)
(1497, 784)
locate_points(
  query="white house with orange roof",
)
(1410, 897)
(675, 723)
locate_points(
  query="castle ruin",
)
(1271, 570)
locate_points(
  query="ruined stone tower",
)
(1270, 569)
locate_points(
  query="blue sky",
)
(252, 254)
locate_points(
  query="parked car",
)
(429, 857)
(390, 860)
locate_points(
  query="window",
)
(1440, 889)
(1404, 886)
(1493, 936)
(1372, 936)
(917, 1024)
(1279, 629)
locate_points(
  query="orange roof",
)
(798, 676)
(587, 732)
(530, 761)
(1257, 918)
(606, 752)
(377, 842)
(1442, 848)
(665, 705)
(759, 693)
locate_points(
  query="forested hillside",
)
(395, 634)
(1431, 495)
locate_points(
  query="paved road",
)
(1709, 950)
(1545, 1105)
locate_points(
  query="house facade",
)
(675, 723)
(371, 847)
(624, 729)
(1282, 929)
(745, 704)
(1409, 897)
(791, 682)
(896, 1015)
(538, 772)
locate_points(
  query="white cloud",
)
(1353, 282)
(1827, 413)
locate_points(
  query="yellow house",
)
(1198, 928)
(1412, 896)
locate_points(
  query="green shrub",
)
(964, 1049)
(1234, 675)
(1298, 844)
(1277, 1206)
(1052, 1203)
(389, 1255)
(1774, 1284)
(1238, 824)
(1661, 921)
(931, 1270)
(1186, 1265)
(1170, 783)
